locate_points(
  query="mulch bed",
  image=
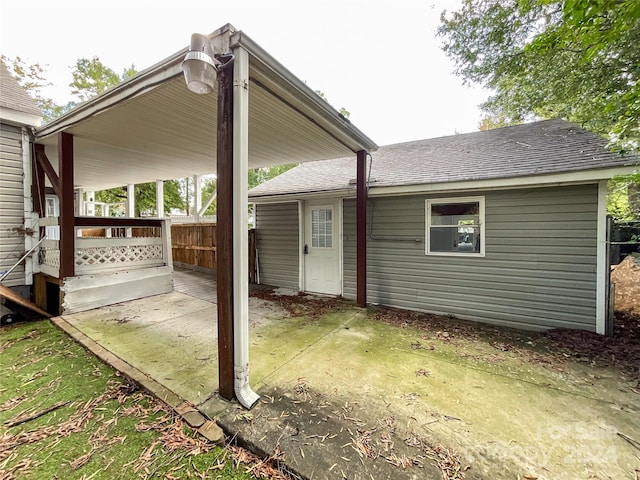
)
(310, 306)
(622, 349)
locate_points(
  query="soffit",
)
(152, 127)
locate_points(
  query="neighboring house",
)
(18, 116)
(505, 226)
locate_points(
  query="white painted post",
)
(197, 193)
(77, 202)
(601, 259)
(159, 198)
(167, 253)
(131, 206)
(29, 240)
(89, 204)
(130, 210)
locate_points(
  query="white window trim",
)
(439, 201)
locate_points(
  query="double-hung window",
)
(455, 226)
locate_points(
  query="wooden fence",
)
(194, 245)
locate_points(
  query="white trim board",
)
(537, 181)
(601, 260)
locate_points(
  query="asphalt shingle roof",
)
(539, 148)
(13, 96)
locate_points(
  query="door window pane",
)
(321, 228)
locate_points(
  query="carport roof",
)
(152, 127)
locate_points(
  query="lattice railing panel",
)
(118, 256)
(49, 257)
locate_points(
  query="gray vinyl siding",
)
(11, 203)
(539, 270)
(278, 243)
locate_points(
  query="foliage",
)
(91, 77)
(262, 174)
(576, 59)
(209, 185)
(145, 197)
(623, 201)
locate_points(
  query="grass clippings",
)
(64, 414)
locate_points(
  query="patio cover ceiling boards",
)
(152, 127)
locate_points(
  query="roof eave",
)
(16, 117)
(525, 181)
(146, 79)
(542, 180)
(288, 197)
(171, 67)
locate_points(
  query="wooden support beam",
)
(117, 222)
(45, 164)
(224, 233)
(361, 229)
(37, 185)
(67, 210)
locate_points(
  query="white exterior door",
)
(321, 249)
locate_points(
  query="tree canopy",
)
(91, 77)
(145, 197)
(576, 59)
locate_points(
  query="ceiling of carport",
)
(157, 129)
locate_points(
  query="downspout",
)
(245, 395)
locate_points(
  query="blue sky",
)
(378, 59)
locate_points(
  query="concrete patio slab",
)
(345, 395)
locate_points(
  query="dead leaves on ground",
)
(552, 348)
(309, 306)
(171, 451)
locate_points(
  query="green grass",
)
(100, 426)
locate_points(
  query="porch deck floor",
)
(196, 284)
(345, 396)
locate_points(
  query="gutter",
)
(291, 197)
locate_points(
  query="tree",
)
(575, 59)
(145, 197)
(209, 185)
(91, 77)
(262, 174)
